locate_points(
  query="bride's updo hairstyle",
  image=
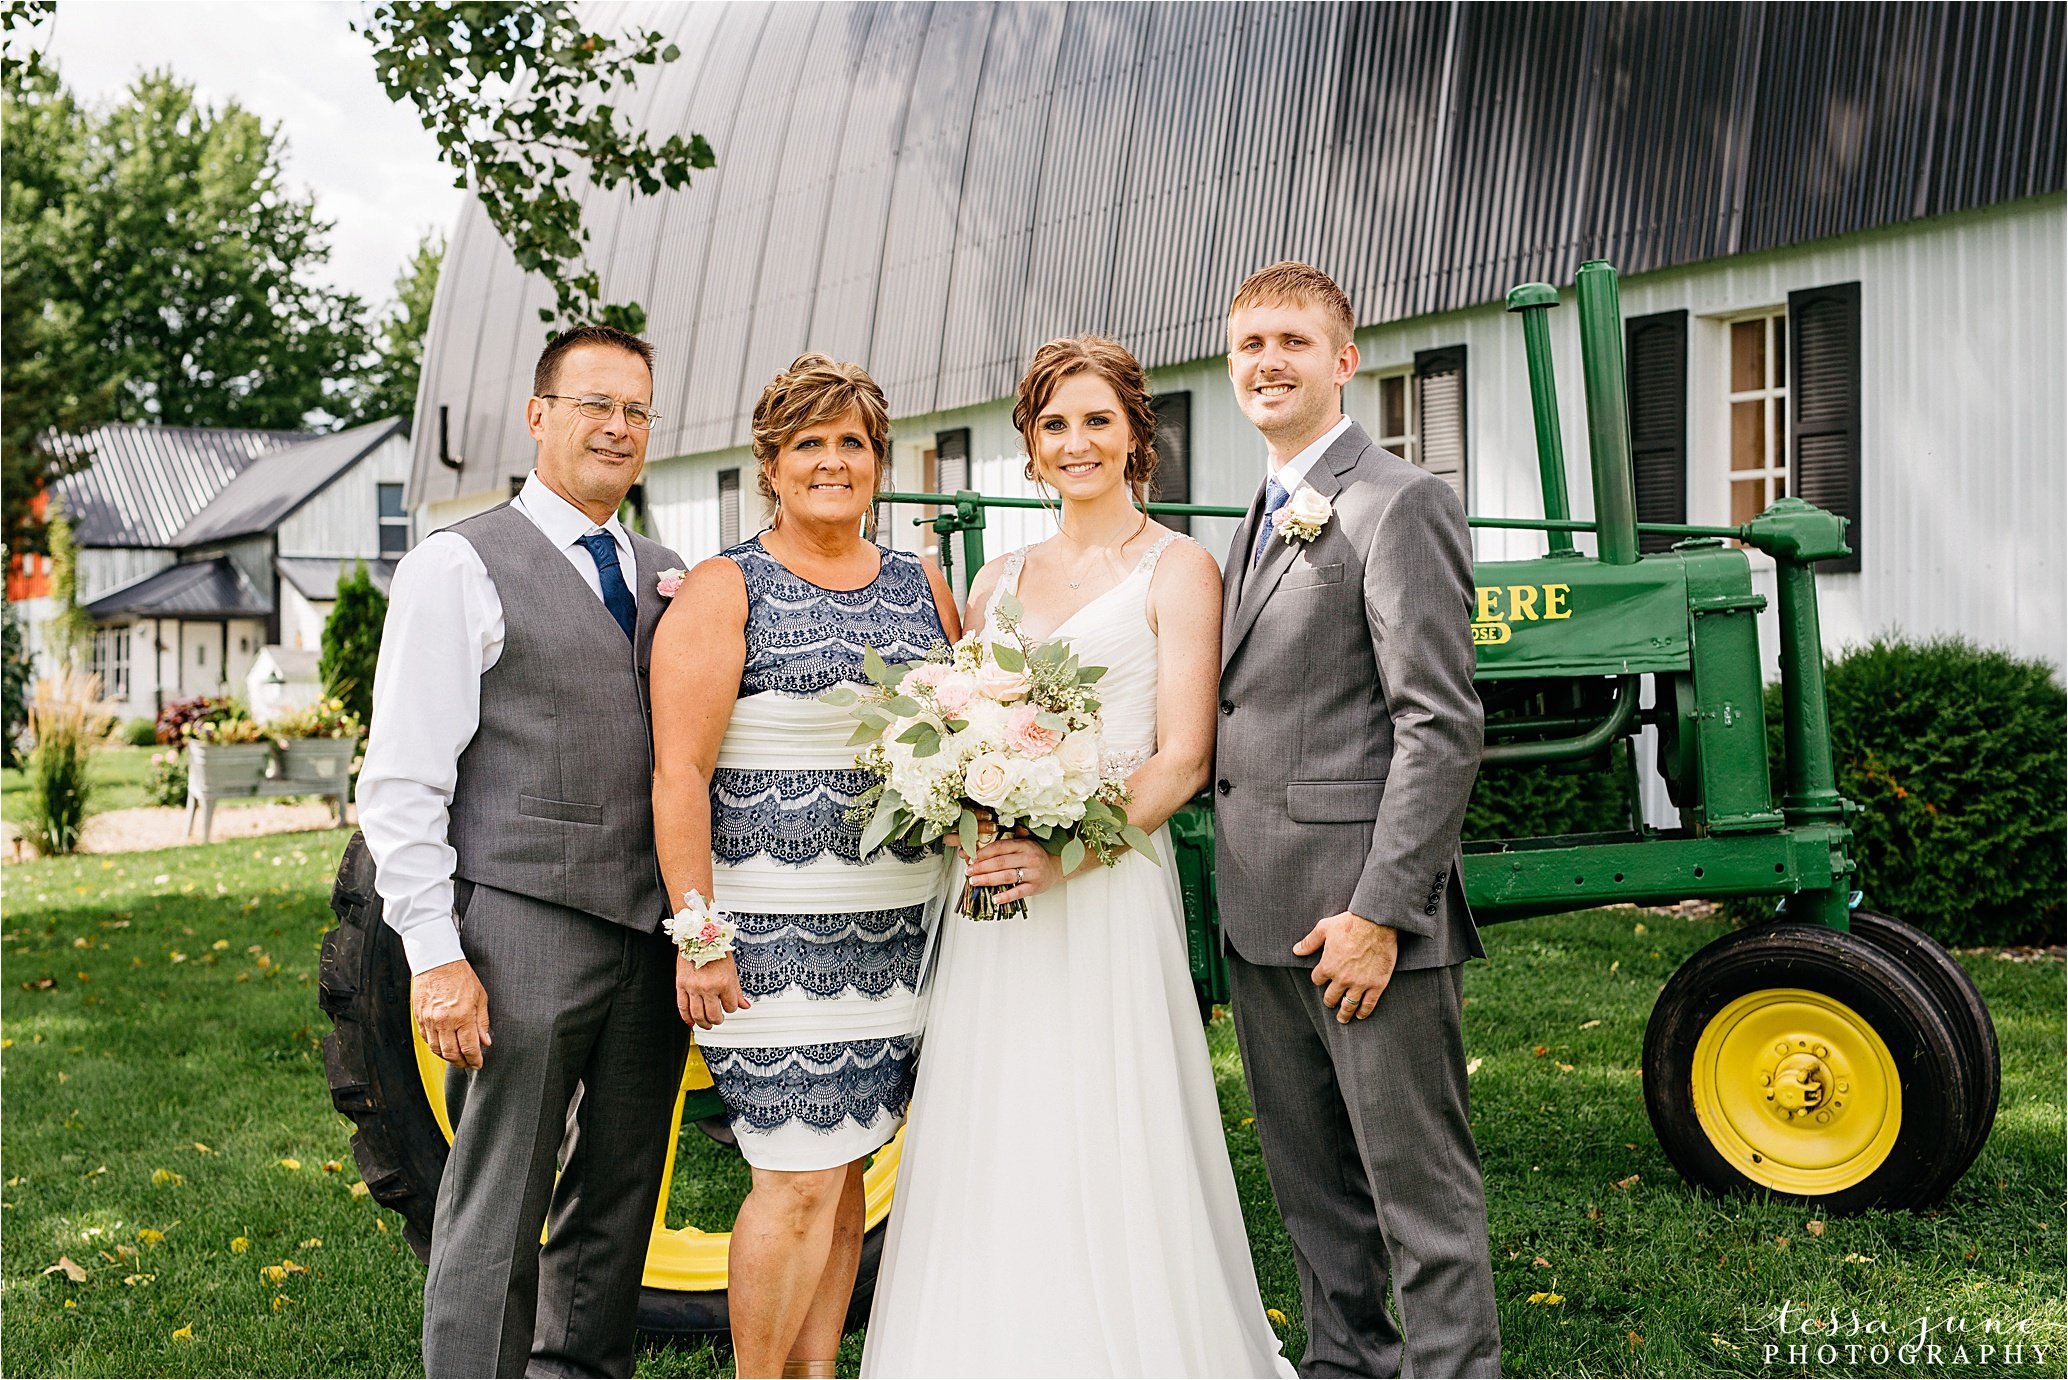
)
(813, 390)
(1111, 361)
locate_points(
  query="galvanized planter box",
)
(219, 769)
(323, 761)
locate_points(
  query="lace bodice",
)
(803, 639)
(1113, 631)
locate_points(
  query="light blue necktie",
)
(1275, 497)
(611, 576)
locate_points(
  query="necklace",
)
(1106, 551)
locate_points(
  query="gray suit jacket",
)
(1350, 731)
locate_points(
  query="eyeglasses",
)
(598, 408)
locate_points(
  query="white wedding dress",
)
(1064, 1203)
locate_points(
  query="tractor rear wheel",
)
(1957, 996)
(1808, 1063)
(392, 1087)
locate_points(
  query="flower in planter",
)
(323, 719)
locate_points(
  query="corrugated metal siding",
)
(144, 483)
(932, 189)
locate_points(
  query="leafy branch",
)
(512, 95)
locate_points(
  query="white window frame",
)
(384, 523)
(1372, 386)
(1773, 392)
(111, 661)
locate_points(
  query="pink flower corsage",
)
(669, 581)
(703, 932)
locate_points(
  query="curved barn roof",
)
(933, 189)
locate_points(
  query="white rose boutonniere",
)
(1303, 516)
(669, 582)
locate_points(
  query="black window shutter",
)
(1173, 455)
(1440, 414)
(1655, 360)
(1824, 405)
(951, 459)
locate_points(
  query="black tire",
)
(1954, 990)
(369, 1060)
(1932, 1089)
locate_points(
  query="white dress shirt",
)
(1294, 470)
(444, 631)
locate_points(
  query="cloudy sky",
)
(295, 63)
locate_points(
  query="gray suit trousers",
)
(575, 1005)
(1370, 1154)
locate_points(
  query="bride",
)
(1065, 1204)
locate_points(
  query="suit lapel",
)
(1233, 578)
(1325, 476)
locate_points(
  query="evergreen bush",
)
(17, 669)
(140, 732)
(1533, 802)
(352, 643)
(1957, 756)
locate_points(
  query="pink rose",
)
(954, 693)
(669, 582)
(709, 933)
(1281, 517)
(926, 675)
(1027, 737)
(1002, 685)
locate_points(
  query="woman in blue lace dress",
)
(808, 1026)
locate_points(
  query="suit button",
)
(1227, 706)
(1222, 786)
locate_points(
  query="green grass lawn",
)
(162, 1076)
(117, 774)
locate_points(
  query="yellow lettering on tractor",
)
(1492, 623)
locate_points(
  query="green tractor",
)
(1833, 1055)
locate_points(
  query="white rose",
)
(1079, 753)
(1310, 506)
(988, 779)
(1002, 685)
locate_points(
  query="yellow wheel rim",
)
(683, 1258)
(1797, 1091)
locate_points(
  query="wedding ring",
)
(1019, 874)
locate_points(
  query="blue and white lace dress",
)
(818, 1070)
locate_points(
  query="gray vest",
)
(555, 793)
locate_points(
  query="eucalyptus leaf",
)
(872, 662)
(919, 733)
(883, 824)
(1050, 653)
(968, 830)
(1008, 605)
(840, 696)
(927, 746)
(894, 676)
(1073, 856)
(1008, 657)
(904, 706)
(1090, 675)
(1141, 843)
(865, 733)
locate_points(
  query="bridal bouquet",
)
(1008, 726)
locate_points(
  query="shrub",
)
(352, 643)
(323, 719)
(17, 669)
(61, 720)
(226, 728)
(167, 783)
(1532, 802)
(1955, 755)
(174, 718)
(140, 732)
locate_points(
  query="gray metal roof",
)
(316, 577)
(258, 499)
(201, 589)
(934, 189)
(143, 483)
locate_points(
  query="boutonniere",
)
(668, 581)
(1303, 516)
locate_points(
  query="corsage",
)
(703, 932)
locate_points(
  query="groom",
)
(507, 802)
(1350, 736)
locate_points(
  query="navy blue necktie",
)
(611, 576)
(1275, 497)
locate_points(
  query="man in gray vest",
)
(507, 802)
(1350, 736)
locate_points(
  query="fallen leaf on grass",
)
(220, 944)
(333, 1167)
(1638, 928)
(202, 1148)
(1563, 1068)
(281, 1301)
(312, 1243)
(1547, 1298)
(1541, 1050)
(1541, 1263)
(69, 1268)
(1636, 1340)
(150, 1236)
(1589, 1025)
(290, 1164)
(133, 1280)
(1593, 1213)
(1246, 1122)
(360, 1190)
(380, 1224)
(273, 1274)
(162, 1177)
(183, 1334)
(1782, 1242)
(1625, 1183)
(1718, 1339)
(1816, 1228)
(71, 1303)
(1473, 1067)
(1855, 1258)
(95, 1173)
(1277, 1318)
(239, 1245)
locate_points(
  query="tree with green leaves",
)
(17, 670)
(352, 642)
(512, 93)
(387, 388)
(69, 633)
(158, 269)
